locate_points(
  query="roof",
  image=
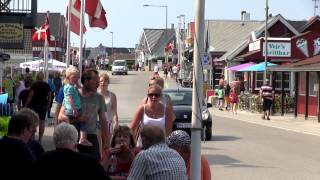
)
(258, 32)
(154, 41)
(310, 64)
(225, 35)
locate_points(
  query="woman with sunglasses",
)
(152, 112)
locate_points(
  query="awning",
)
(258, 67)
(240, 66)
(310, 64)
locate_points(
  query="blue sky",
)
(127, 18)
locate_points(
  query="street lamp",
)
(166, 30)
(111, 45)
(162, 6)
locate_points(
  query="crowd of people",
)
(228, 96)
(87, 134)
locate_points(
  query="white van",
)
(119, 67)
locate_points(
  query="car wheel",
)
(112, 73)
(125, 73)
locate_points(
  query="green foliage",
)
(4, 122)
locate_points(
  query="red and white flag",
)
(43, 33)
(96, 13)
(169, 46)
(75, 18)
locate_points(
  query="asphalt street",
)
(239, 150)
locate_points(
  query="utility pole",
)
(266, 45)
(315, 7)
(197, 91)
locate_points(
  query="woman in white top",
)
(111, 102)
(152, 112)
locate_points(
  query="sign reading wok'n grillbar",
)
(11, 32)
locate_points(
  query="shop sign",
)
(278, 49)
(11, 32)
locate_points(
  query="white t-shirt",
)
(156, 68)
(175, 69)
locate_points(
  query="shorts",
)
(41, 111)
(266, 105)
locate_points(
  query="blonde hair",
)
(70, 71)
(155, 86)
(105, 76)
(158, 80)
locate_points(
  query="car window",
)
(120, 63)
(180, 98)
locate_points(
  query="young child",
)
(234, 100)
(72, 101)
(220, 95)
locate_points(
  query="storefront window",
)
(302, 83)
(313, 80)
(277, 82)
(259, 79)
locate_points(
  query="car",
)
(182, 107)
(119, 67)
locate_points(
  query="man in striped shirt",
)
(157, 161)
(267, 94)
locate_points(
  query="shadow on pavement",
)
(224, 138)
(228, 161)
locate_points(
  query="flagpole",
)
(68, 34)
(46, 50)
(81, 35)
(197, 91)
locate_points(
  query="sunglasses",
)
(154, 94)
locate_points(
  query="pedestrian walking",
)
(94, 109)
(118, 159)
(16, 157)
(52, 94)
(220, 96)
(38, 100)
(180, 141)
(72, 102)
(157, 161)
(267, 95)
(234, 100)
(152, 112)
(72, 164)
(227, 89)
(111, 103)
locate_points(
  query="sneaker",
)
(268, 118)
(85, 143)
(263, 117)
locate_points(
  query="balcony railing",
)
(16, 6)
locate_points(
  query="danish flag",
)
(96, 13)
(75, 18)
(43, 33)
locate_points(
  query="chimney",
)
(244, 17)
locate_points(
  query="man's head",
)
(90, 80)
(151, 135)
(180, 141)
(22, 127)
(65, 136)
(40, 76)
